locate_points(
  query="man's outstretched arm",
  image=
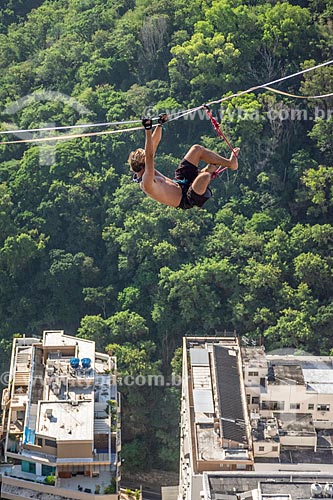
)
(148, 176)
(157, 134)
(156, 138)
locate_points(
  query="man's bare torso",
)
(163, 190)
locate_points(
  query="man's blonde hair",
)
(137, 159)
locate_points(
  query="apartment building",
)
(61, 420)
(243, 410)
(294, 391)
(282, 383)
(215, 427)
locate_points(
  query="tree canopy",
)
(81, 247)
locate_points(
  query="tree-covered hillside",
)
(83, 250)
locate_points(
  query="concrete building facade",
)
(289, 383)
(61, 420)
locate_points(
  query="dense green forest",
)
(82, 249)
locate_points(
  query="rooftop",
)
(83, 348)
(218, 408)
(285, 374)
(64, 391)
(284, 368)
(66, 420)
(265, 429)
(306, 456)
(319, 379)
(228, 380)
(268, 486)
(255, 357)
(294, 490)
(295, 423)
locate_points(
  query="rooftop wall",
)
(16, 489)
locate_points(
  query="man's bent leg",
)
(201, 183)
(197, 153)
(210, 168)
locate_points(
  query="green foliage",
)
(135, 360)
(322, 133)
(82, 248)
(50, 480)
(93, 328)
(127, 326)
(177, 361)
(135, 456)
(112, 488)
(318, 190)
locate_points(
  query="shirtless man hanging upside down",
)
(189, 188)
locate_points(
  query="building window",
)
(28, 467)
(261, 448)
(253, 374)
(39, 442)
(310, 406)
(323, 407)
(272, 405)
(248, 399)
(48, 471)
(275, 448)
(255, 400)
(263, 381)
(294, 406)
(50, 442)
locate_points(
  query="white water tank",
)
(316, 490)
(272, 430)
(328, 490)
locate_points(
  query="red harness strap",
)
(219, 132)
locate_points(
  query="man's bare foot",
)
(234, 160)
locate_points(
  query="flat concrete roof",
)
(286, 374)
(301, 423)
(264, 429)
(255, 357)
(319, 380)
(64, 422)
(296, 489)
(209, 446)
(273, 486)
(316, 372)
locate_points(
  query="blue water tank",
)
(75, 362)
(86, 362)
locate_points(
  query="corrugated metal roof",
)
(229, 391)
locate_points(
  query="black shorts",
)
(184, 176)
